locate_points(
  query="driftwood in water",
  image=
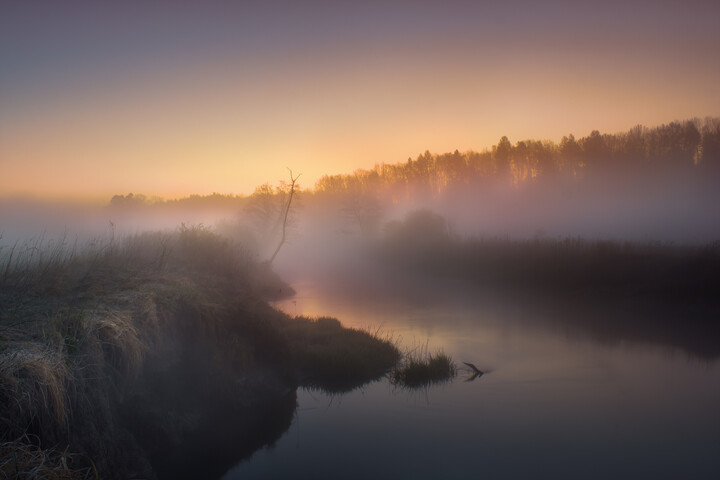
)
(476, 372)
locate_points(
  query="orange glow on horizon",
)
(229, 122)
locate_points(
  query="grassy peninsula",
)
(121, 358)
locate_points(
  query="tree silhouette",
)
(291, 193)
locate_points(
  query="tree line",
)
(688, 149)
(691, 147)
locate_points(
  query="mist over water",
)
(583, 285)
(628, 217)
(467, 263)
(559, 390)
(644, 185)
(582, 299)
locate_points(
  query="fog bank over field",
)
(666, 210)
(23, 218)
(657, 184)
(644, 185)
(495, 256)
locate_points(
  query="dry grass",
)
(33, 386)
(121, 342)
(75, 319)
(21, 459)
(337, 359)
(79, 326)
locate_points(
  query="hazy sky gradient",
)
(173, 98)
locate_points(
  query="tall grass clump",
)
(78, 323)
(420, 368)
(34, 380)
(121, 347)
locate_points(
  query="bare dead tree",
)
(293, 181)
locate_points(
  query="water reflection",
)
(226, 436)
(564, 397)
(455, 308)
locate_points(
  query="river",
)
(567, 393)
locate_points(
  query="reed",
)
(420, 368)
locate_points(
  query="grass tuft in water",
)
(420, 368)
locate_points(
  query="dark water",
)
(563, 396)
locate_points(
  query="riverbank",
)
(593, 269)
(133, 357)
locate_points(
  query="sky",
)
(174, 98)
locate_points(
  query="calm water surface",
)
(557, 401)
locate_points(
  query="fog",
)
(664, 210)
(534, 261)
(669, 211)
(29, 220)
(646, 186)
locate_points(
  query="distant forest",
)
(677, 148)
(689, 149)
